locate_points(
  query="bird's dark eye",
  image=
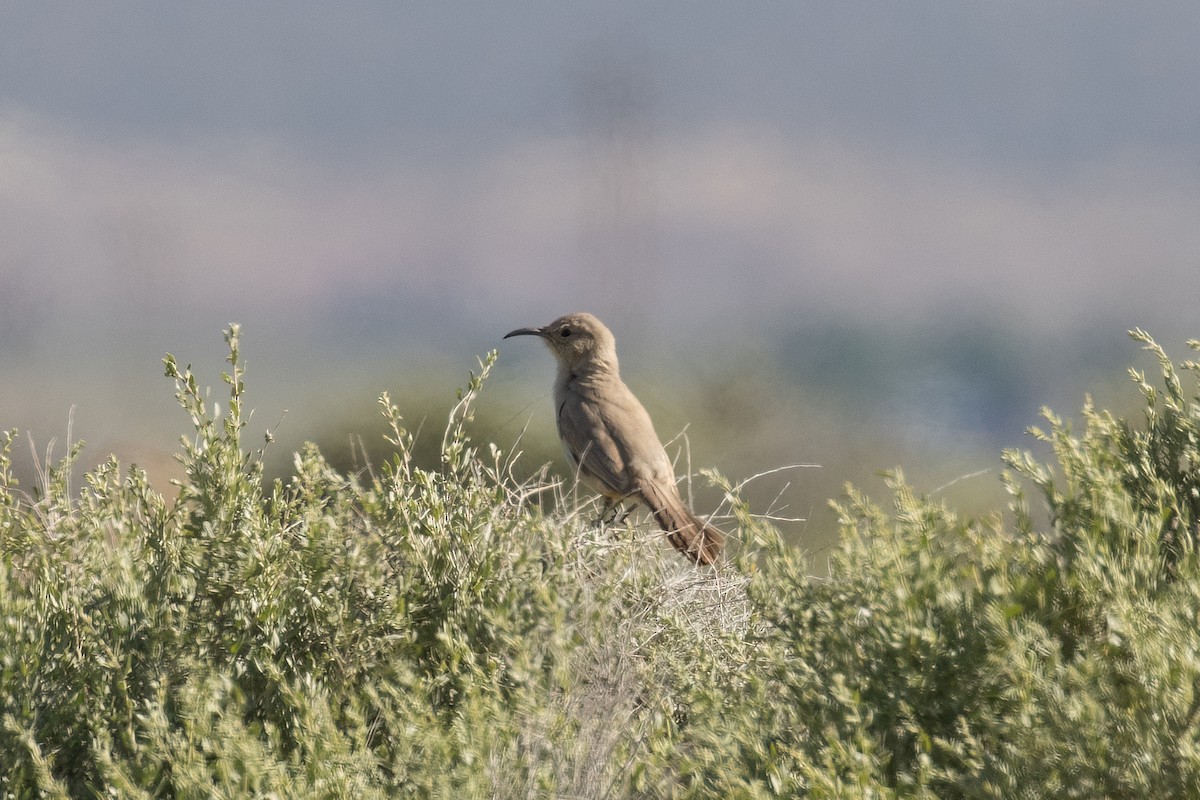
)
(565, 332)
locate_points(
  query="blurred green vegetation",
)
(815, 407)
(939, 396)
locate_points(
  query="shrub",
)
(403, 631)
(990, 658)
(438, 633)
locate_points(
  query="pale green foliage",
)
(953, 658)
(437, 633)
(403, 632)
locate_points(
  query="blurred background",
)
(857, 235)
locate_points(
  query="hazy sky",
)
(406, 173)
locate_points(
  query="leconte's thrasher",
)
(608, 436)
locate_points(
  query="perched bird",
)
(608, 436)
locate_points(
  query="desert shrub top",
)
(455, 631)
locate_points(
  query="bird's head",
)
(578, 341)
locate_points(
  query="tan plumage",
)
(608, 436)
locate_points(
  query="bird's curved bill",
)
(524, 332)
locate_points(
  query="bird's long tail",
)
(692, 536)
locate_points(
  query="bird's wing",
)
(634, 436)
(593, 446)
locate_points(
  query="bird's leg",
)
(608, 514)
(615, 512)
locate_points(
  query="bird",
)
(608, 437)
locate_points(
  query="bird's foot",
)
(613, 513)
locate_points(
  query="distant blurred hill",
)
(938, 398)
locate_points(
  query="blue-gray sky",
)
(415, 175)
